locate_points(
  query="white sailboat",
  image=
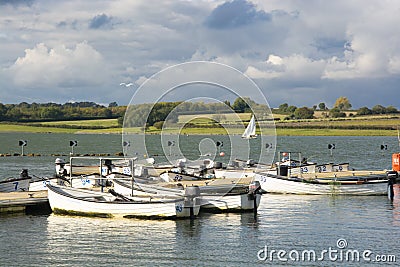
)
(250, 131)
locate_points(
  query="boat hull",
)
(125, 188)
(221, 174)
(62, 200)
(209, 202)
(15, 185)
(231, 203)
(41, 185)
(280, 185)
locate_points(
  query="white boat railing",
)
(101, 160)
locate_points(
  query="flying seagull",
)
(126, 84)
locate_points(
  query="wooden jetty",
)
(24, 202)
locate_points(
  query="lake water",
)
(330, 227)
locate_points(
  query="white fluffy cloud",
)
(290, 48)
(43, 66)
(294, 66)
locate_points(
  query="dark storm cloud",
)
(100, 21)
(329, 46)
(299, 52)
(235, 14)
(62, 24)
(16, 2)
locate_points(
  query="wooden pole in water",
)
(70, 171)
(191, 212)
(101, 175)
(132, 175)
(255, 204)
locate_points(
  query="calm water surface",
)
(287, 223)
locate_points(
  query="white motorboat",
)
(328, 183)
(68, 200)
(16, 184)
(26, 183)
(222, 197)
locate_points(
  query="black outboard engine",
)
(254, 189)
(60, 170)
(24, 174)
(392, 179)
(250, 163)
(108, 163)
(218, 165)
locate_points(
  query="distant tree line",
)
(144, 115)
(169, 111)
(137, 114)
(25, 112)
(341, 105)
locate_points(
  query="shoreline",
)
(279, 131)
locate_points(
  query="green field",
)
(205, 124)
(333, 132)
(109, 123)
(33, 129)
(368, 123)
(207, 118)
(55, 126)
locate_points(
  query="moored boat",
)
(226, 197)
(300, 176)
(68, 200)
(347, 183)
(393, 189)
(242, 200)
(40, 184)
(25, 182)
(16, 184)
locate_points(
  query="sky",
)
(300, 52)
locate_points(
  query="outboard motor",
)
(218, 165)
(254, 189)
(250, 163)
(145, 172)
(60, 170)
(392, 180)
(282, 170)
(181, 163)
(24, 174)
(109, 165)
(191, 192)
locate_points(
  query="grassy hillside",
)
(364, 122)
(383, 125)
(87, 123)
(79, 126)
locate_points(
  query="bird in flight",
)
(126, 84)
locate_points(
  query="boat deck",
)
(214, 182)
(345, 174)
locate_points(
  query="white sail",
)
(250, 131)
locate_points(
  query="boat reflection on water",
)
(75, 241)
(116, 240)
(395, 203)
